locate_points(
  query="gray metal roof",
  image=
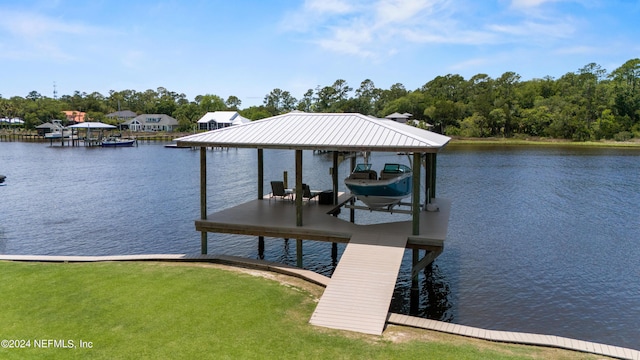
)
(321, 131)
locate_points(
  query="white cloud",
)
(29, 34)
(378, 28)
(524, 4)
(535, 30)
(365, 28)
(328, 6)
(34, 25)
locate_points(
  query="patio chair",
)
(278, 190)
(309, 194)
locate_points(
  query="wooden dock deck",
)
(276, 218)
(358, 295)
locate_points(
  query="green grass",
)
(168, 311)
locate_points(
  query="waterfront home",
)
(220, 119)
(122, 115)
(74, 117)
(401, 118)
(151, 122)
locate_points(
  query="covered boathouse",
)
(359, 293)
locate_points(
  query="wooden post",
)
(299, 253)
(260, 174)
(352, 211)
(334, 177)
(203, 197)
(261, 247)
(433, 174)
(334, 253)
(298, 187)
(427, 179)
(414, 297)
(430, 178)
(415, 204)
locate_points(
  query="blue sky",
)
(248, 48)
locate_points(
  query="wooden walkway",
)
(360, 291)
(397, 319)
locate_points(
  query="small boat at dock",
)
(393, 185)
(59, 131)
(117, 142)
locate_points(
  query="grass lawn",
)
(135, 310)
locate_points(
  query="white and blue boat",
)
(393, 185)
(117, 142)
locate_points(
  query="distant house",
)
(152, 122)
(74, 117)
(220, 119)
(11, 122)
(401, 118)
(121, 116)
(406, 119)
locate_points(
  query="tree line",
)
(588, 104)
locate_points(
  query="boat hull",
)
(123, 143)
(380, 193)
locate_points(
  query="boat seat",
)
(369, 174)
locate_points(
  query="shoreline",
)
(313, 279)
(543, 142)
(455, 140)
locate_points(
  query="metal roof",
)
(321, 131)
(219, 116)
(92, 125)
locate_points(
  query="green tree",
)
(255, 113)
(626, 90)
(233, 103)
(306, 103)
(279, 102)
(366, 97)
(208, 103)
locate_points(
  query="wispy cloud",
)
(374, 29)
(527, 4)
(28, 34)
(369, 28)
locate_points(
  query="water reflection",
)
(435, 303)
(433, 298)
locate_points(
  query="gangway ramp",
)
(360, 290)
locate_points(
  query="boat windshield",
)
(396, 169)
(362, 168)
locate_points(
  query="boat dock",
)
(364, 280)
(359, 293)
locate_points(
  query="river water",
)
(541, 239)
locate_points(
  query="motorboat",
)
(117, 142)
(2, 177)
(58, 131)
(393, 185)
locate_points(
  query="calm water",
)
(543, 240)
